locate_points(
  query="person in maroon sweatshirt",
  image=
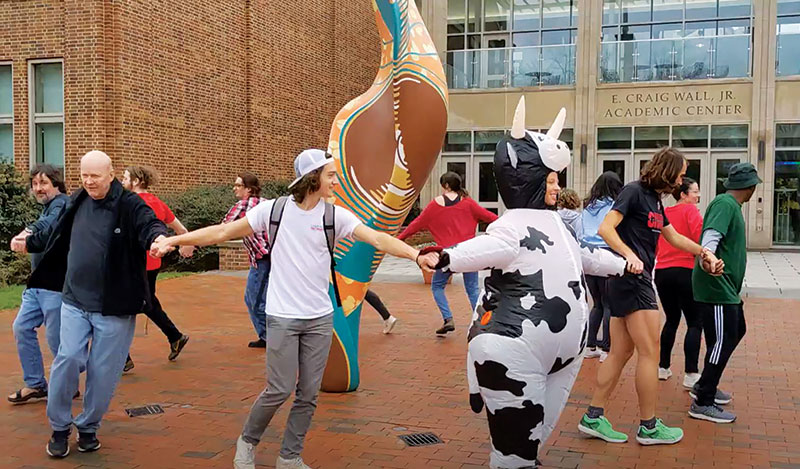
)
(451, 218)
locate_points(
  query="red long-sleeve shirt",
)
(450, 225)
(687, 221)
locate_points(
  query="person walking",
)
(299, 308)
(719, 297)
(375, 301)
(40, 306)
(451, 217)
(97, 254)
(632, 229)
(673, 278)
(139, 179)
(248, 191)
(596, 206)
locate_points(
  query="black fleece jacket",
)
(125, 290)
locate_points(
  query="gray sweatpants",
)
(297, 351)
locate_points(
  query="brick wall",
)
(233, 256)
(200, 89)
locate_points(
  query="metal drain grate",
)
(146, 410)
(421, 439)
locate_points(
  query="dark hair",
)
(607, 186)
(660, 173)
(306, 185)
(250, 181)
(453, 181)
(53, 173)
(146, 175)
(683, 188)
(568, 199)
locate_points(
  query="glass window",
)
(526, 40)
(474, 16)
(460, 168)
(618, 166)
(700, 28)
(611, 12)
(456, 16)
(550, 38)
(667, 31)
(457, 141)
(729, 136)
(526, 15)
(635, 11)
(787, 135)
(6, 105)
(667, 10)
(789, 7)
(690, 136)
(49, 88)
(610, 33)
(487, 187)
(729, 27)
(455, 42)
(6, 143)
(556, 13)
(497, 14)
(50, 144)
(723, 168)
(734, 8)
(566, 137)
(634, 33)
(650, 137)
(788, 55)
(701, 9)
(786, 212)
(614, 138)
(487, 140)
(693, 169)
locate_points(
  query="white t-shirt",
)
(300, 270)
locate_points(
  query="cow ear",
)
(558, 124)
(518, 125)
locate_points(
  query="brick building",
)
(200, 89)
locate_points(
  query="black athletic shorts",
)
(631, 292)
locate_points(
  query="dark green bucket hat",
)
(742, 176)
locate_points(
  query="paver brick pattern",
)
(411, 381)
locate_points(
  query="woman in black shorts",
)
(632, 229)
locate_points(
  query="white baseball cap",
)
(307, 161)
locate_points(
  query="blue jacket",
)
(52, 212)
(591, 217)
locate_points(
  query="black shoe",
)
(176, 347)
(448, 326)
(128, 365)
(260, 343)
(88, 442)
(58, 446)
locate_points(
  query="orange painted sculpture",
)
(385, 143)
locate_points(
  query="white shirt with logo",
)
(300, 271)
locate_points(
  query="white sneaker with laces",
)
(388, 324)
(592, 353)
(245, 457)
(690, 379)
(296, 463)
(664, 374)
(603, 356)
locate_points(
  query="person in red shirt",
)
(139, 179)
(673, 279)
(451, 218)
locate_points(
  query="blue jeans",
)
(111, 338)
(255, 296)
(439, 281)
(38, 307)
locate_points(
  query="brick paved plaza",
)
(411, 381)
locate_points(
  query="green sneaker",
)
(660, 435)
(601, 428)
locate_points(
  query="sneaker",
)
(88, 442)
(712, 413)
(603, 356)
(128, 365)
(245, 457)
(260, 343)
(388, 324)
(176, 347)
(592, 352)
(448, 326)
(601, 428)
(720, 398)
(690, 379)
(58, 446)
(664, 374)
(659, 435)
(296, 463)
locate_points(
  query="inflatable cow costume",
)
(529, 329)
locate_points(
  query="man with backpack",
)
(302, 231)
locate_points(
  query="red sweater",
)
(450, 225)
(687, 221)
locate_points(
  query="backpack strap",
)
(275, 216)
(329, 226)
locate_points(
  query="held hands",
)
(186, 251)
(18, 242)
(710, 263)
(635, 265)
(427, 262)
(161, 246)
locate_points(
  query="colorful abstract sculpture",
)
(385, 143)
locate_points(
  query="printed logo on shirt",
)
(655, 221)
(317, 228)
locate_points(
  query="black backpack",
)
(327, 224)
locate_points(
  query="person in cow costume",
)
(530, 327)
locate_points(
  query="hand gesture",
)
(186, 251)
(711, 264)
(18, 242)
(160, 247)
(635, 265)
(427, 262)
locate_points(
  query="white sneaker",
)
(603, 356)
(592, 353)
(690, 379)
(388, 324)
(296, 463)
(245, 455)
(664, 373)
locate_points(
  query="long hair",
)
(146, 175)
(453, 181)
(661, 173)
(683, 188)
(53, 173)
(607, 186)
(250, 181)
(569, 199)
(309, 184)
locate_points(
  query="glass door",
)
(495, 61)
(720, 166)
(619, 163)
(459, 165)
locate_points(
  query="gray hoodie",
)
(573, 219)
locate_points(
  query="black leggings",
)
(601, 312)
(157, 314)
(674, 286)
(375, 301)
